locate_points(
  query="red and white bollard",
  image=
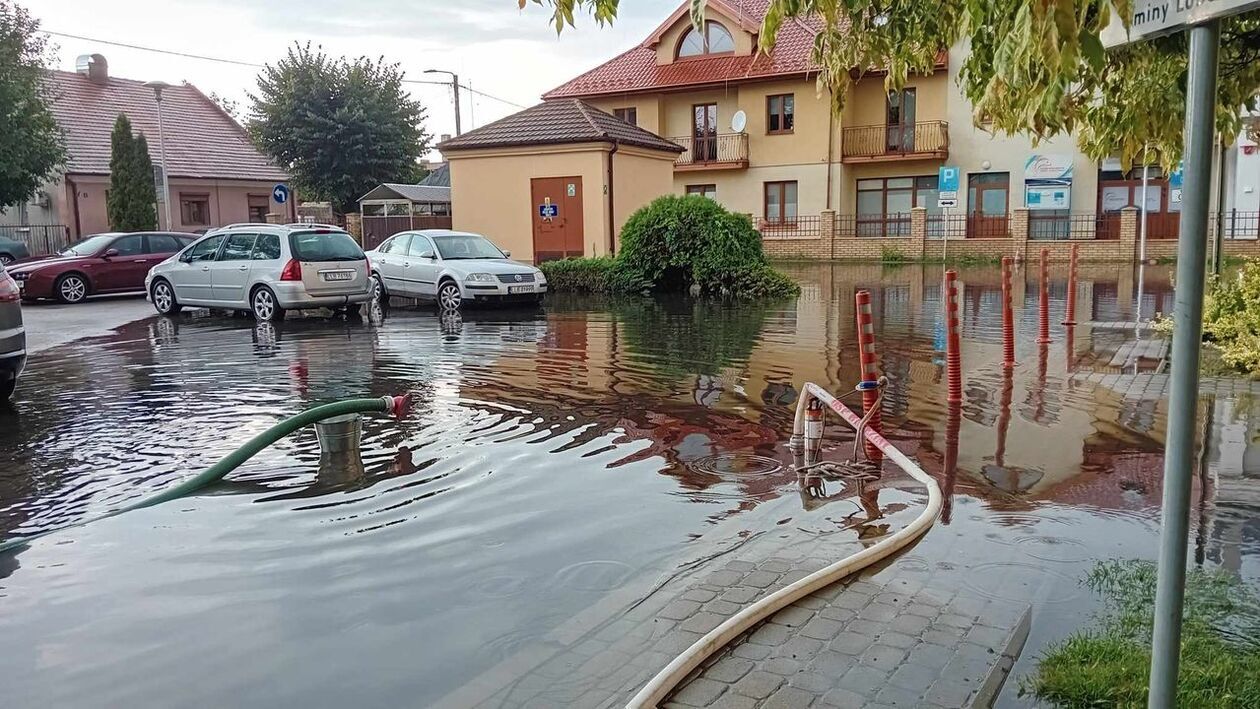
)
(868, 366)
(1071, 288)
(1008, 316)
(1043, 331)
(953, 354)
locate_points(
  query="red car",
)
(102, 263)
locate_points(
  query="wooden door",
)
(988, 200)
(1162, 217)
(704, 147)
(557, 216)
(899, 117)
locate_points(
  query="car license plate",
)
(520, 289)
(338, 275)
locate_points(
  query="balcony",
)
(724, 151)
(920, 141)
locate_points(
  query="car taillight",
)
(292, 271)
(367, 262)
(9, 292)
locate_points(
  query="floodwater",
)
(553, 458)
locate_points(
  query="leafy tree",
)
(31, 144)
(1034, 67)
(132, 200)
(339, 127)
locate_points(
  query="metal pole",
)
(1184, 380)
(455, 88)
(166, 180)
(1142, 228)
(1218, 235)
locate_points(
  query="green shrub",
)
(1231, 317)
(891, 254)
(578, 275)
(1107, 666)
(676, 242)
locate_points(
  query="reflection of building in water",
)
(1233, 464)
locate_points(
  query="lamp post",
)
(454, 90)
(157, 87)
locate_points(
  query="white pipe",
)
(667, 679)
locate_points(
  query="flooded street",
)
(558, 463)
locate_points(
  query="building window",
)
(709, 191)
(780, 113)
(780, 203)
(194, 209)
(629, 115)
(884, 203)
(259, 206)
(715, 40)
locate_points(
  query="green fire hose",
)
(396, 405)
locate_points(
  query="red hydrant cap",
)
(400, 405)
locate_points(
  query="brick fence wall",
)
(830, 241)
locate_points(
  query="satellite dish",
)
(739, 121)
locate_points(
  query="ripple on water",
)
(595, 575)
(1020, 581)
(736, 465)
(1051, 548)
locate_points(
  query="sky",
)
(494, 47)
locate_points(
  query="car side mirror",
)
(110, 253)
(428, 254)
(507, 254)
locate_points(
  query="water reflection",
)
(555, 457)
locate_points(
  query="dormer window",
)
(715, 39)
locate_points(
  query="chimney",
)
(94, 67)
(445, 137)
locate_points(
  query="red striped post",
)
(1008, 316)
(953, 355)
(1071, 288)
(1043, 330)
(867, 361)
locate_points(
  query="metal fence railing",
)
(40, 239)
(1242, 225)
(809, 227)
(1053, 225)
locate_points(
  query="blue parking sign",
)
(1174, 177)
(947, 179)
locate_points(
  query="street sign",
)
(947, 179)
(1152, 18)
(280, 193)
(1175, 183)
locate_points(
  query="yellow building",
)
(761, 140)
(555, 180)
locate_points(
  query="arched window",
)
(715, 40)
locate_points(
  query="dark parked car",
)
(12, 336)
(103, 263)
(11, 250)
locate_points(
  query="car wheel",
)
(6, 259)
(265, 306)
(164, 298)
(6, 388)
(379, 293)
(71, 288)
(448, 296)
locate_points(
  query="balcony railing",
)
(715, 152)
(929, 139)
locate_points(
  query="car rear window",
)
(325, 246)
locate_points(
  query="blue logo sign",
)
(947, 178)
(1174, 177)
(280, 193)
(548, 211)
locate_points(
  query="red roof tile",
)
(637, 70)
(201, 140)
(557, 122)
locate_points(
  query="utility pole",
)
(157, 87)
(454, 92)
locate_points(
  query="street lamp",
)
(454, 89)
(157, 87)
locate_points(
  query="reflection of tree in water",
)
(684, 337)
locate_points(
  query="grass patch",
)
(1107, 666)
(892, 255)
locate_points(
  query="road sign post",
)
(1184, 379)
(280, 193)
(947, 179)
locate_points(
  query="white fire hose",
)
(660, 686)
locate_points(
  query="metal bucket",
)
(340, 434)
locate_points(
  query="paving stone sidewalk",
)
(905, 635)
